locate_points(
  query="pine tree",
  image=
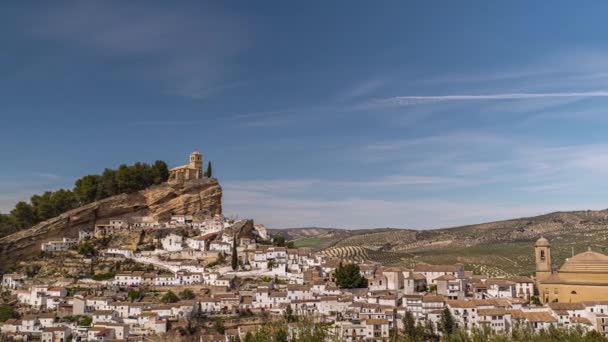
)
(349, 277)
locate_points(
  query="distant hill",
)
(502, 247)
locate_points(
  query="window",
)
(542, 255)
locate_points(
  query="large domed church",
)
(584, 277)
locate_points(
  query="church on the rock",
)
(192, 170)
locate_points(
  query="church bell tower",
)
(542, 256)
(196, 162)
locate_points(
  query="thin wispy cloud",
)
(411, 100)
(188, 54)
(361, 89)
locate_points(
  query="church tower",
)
(542, 254)
(196, 162)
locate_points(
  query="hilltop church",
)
(584, 277)
(190, 171)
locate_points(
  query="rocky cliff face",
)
(202, 196)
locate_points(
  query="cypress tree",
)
(235, 258)
(446, 322)
(209, 172)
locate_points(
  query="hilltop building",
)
(584, 277)
(192, 170)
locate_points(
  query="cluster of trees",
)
(125, 179)
(279, 241)
(417, 332)
(304, 331)
(87, 249)
(169, 297)
(349, 277)
(7, 312)
(187, 294)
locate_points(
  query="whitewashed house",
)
(57, 245)
(172, 242)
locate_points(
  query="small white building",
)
(85, 235)
(172, 242)
(57, 245)
(218, 246)
(196, 243)
(119, 251)
(376, 329)
(13, 280)
(500, 288)
(128, 279)
(55, 334)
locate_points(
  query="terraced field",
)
(384, 240)
(314, 242)
(360, 254)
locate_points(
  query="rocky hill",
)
(196, 196)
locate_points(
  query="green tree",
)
(428, 331)
(160, 172)
(289, 316)
(7, 225)
(218, 326)
(6, 313)
(134, 295)
(409, 326)
(107, 186)
(86, 187)
(235, 257)
(307, 330)
(280, 335)
(63, 200)
(24, 215)
(187, 294)
(85, 321)
(169, 297)
(87, 249)
(249, 337)
(221, 258)
(447, 325)
(209, 172)
(278, 241)
(349, 277)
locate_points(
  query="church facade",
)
(584, 277)
(190, 171)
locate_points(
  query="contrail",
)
(407, 100)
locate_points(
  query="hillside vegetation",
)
(499, 248)
(88, 189)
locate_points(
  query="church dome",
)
(542, 242)
(586, 262)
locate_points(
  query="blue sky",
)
(343, 114)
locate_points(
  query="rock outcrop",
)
(202, 197)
